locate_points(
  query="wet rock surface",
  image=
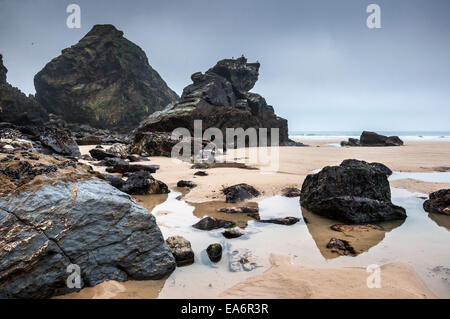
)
(363, 164)
(239, 210)
(142, 183)
(104, 80)
(438, 202)
(373, 139)
(240, 192)
(181, 249)
(214, 252)
(357, 194)
(48, 224)
(132, 168)
(341, 247)
(281, 221)
(232, 233)
(220, 98)
(210, 223)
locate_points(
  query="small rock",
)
(341, 247)
(201, 173)
(214, 252)
(131, 168)
(239, 210)
(187, 184)
(210, 223)
(200, 166)
(181, 249)
(438, 202)
(232, 233)
(240, 192)
(115, 181)
(100, 154)
(290, 192)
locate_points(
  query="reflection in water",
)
(210, 209)
(360, 238)
(440, 219)
(419, 242)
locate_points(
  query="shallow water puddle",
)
(420, 241)
(434, 177)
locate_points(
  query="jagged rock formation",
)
(438, 202)
(355, 194)
(220, 98)
(55, 213)
(16, 107)
(104, 80)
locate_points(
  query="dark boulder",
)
(115, 181)
(362, 164)
(210, 223)
(240, 192)
(100, 154)
(374, 139)
(57, 140)
(232, 233)
(187, 184)
(142, 183)
(351, 142)
(131, 168)
(104, 80)
(16, 107)
(181, 249)
(111, 162)
(357, 194)
(341, 247)
(281, 221)
(214, 252)
(438, 202)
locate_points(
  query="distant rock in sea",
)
(104, 80)
(16, 107)
(354, 193)
(373, 139)
(220, 98)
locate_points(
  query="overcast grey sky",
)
(321, 67)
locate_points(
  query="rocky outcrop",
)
(290, 220)
(363, 164)
(220, 98)
(16, 107)
(104, 80)
(373, 139)
(357, 194)
(181, 249)
(54, 139)
(240, 192)
(290, 192)
(438, 202)
(53, 215)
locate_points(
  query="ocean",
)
(344, 135)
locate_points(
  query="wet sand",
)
(304, 244)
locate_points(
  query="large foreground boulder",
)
(16, 107)
(53, 216)
(104, 80)
(220, 98)
(353, 194)
(438, 202)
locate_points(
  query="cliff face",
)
(220, 98)
(16, 107)
(104, 80)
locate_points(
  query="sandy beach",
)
(285, 274)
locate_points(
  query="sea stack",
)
(104, 80)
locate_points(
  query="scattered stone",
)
(281, 221)
(239, 210)
(115, 181)
(187, 184)
(232, 233)
(200, 166)
(210, 223)
(133, 158)
(100, 154)
(131, 168)
(142, 183)
(438, 202)
(181, 249)
(119, 150)
(342, 247)
(201, 173)
(214, 252)
(358, 194)
(240, 192)
(290, 192)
